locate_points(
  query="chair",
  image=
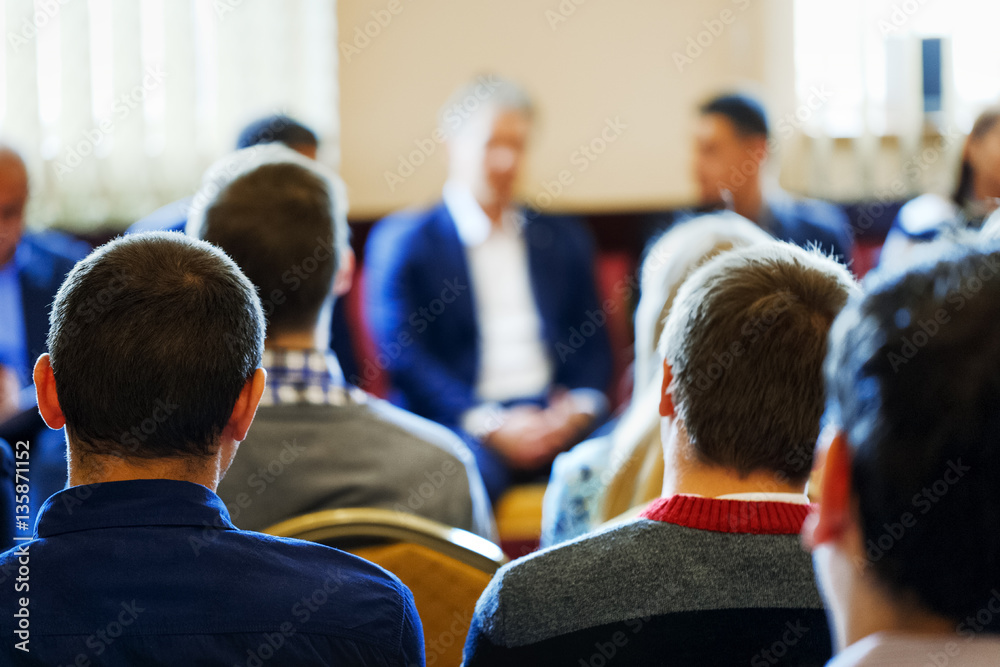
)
(445, 568)
(519, 519)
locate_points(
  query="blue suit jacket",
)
(808, 221)
(804, 222)
(49, 258)
(421, 309)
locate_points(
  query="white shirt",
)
(513, 361)
(899, 649)
(760, 497)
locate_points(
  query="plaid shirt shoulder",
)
(305, 377)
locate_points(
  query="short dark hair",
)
(279, 221)
(745, 341)
(277, 128)
(152, 337)
(913, 377)
(745, 113)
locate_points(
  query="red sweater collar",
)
(729, 516)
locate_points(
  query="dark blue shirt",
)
(152, 572)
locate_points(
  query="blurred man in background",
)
(32, 267)
(731, 147)
(475, 301)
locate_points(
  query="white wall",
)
(586, 64)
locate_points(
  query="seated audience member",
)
(732, 144)
(905, 544)
(478, 303)
(713, 572)
(317, 443)
(278, 129)
(32, 266)
(137, 562)
(931, 217)
(605, 476)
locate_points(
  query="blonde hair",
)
(635, 473)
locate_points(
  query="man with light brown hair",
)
(712, 573)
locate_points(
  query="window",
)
(867, 53)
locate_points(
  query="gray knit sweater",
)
(698, 581)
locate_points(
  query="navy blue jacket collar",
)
(143, 502)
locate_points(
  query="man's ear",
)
(45, 391)
(666, 397)
(344, 277)
(246, 406)
(757, 148)
(834, 517)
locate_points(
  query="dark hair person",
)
(930, 216)
(906, 545)
(154, 369)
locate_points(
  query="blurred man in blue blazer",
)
(32, 267)
(485, 314)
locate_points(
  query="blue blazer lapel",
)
(452, 264)
(38, 288)
(543, 267)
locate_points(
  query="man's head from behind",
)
(744, 346)
(911, 503)
(487, 123)
(730, 146)
(280, 129)
(283, 220)
(154, 339)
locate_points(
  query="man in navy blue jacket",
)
(486, 315)
(154, 370)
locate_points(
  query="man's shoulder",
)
(544, 229)
(644, 568)
(409, 225)
(51, 255)
(809, 213)
(429, 436)
(312, 559)
(320, 594)
(519, 605)
(390, 427)
(585, 556)
(302, 578)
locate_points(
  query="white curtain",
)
(869, 137)
(118, 106)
